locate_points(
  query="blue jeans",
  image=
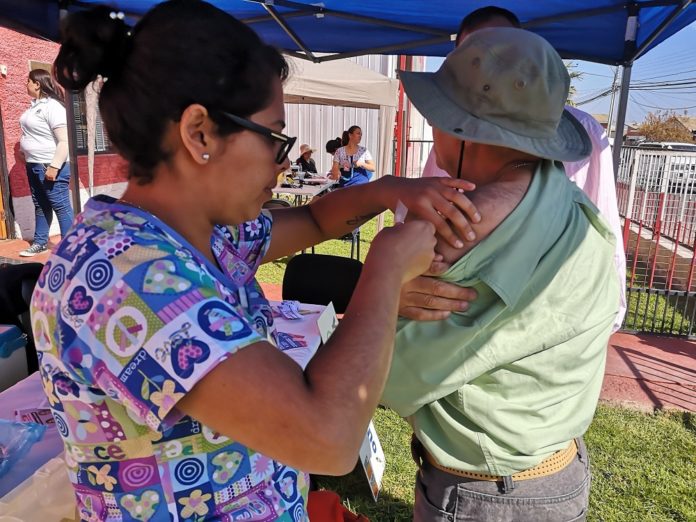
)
(444, 497)
(48, 197)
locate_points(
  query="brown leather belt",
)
(550, 465)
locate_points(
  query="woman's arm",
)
(366, 164)
(335, 173)
(436, 200)
(365, 161)
(61, 153)
(315, 420)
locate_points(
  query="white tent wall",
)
(316, 124)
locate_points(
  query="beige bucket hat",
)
(502, 86)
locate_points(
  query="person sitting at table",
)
(333, 145)
(305, 160)
(502, 395)
(352, 163)
(157, 346)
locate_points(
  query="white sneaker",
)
(33, 250)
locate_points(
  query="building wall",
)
(16, 53)
(312, 124)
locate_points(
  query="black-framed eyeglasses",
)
(286, 141)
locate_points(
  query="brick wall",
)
(16, 51)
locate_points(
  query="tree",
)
(664, 126)
(574, 75)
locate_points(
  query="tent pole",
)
(405, 64)
(72, 135)
(72, 142)
(629, 52)
(621, 116)
(288, 30)
(657, 32)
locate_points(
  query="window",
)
(102, 143)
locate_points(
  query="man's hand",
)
(426, 298)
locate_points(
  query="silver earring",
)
(205, 156)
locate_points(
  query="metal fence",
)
(417, 152)
(656, 192)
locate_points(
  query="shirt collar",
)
(37, 101)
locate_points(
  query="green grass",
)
(644, 465)
(644, 469)
(273, 272)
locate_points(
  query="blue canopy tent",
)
(615, 32)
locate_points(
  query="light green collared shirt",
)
(500, 387)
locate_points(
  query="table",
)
(28, 393)
(304, 332)
(301, 342)
(305, 192)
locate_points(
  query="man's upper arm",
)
(494, 202)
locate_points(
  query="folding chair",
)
(277, 203)
(354, 238)
(321, 279)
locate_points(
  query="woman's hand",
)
(51, 174)
(438, 200)
(408, 247)
(429, 299)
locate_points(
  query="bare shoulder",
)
(495, 202)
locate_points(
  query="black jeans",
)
(443, 497)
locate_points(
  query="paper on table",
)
(299, 339)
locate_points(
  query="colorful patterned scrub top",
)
(128, 317)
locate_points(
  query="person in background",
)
(158, 351)
(502, 395)
(423, 298)
(305, 160)
(333, 145)
(352, 163)
(44, 144)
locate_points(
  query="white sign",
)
(372, 459)
(327, 322)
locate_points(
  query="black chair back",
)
(16, 286)
(321, 279)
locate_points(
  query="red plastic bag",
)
(325, 506)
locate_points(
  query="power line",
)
(666, 75)
(646, 106)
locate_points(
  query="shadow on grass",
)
(689, 421)
(355, 495)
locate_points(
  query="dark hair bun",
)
(94, 42)
(333, 145)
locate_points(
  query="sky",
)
(672, 60)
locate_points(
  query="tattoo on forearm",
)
(359, 220)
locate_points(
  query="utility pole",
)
(614, 88)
